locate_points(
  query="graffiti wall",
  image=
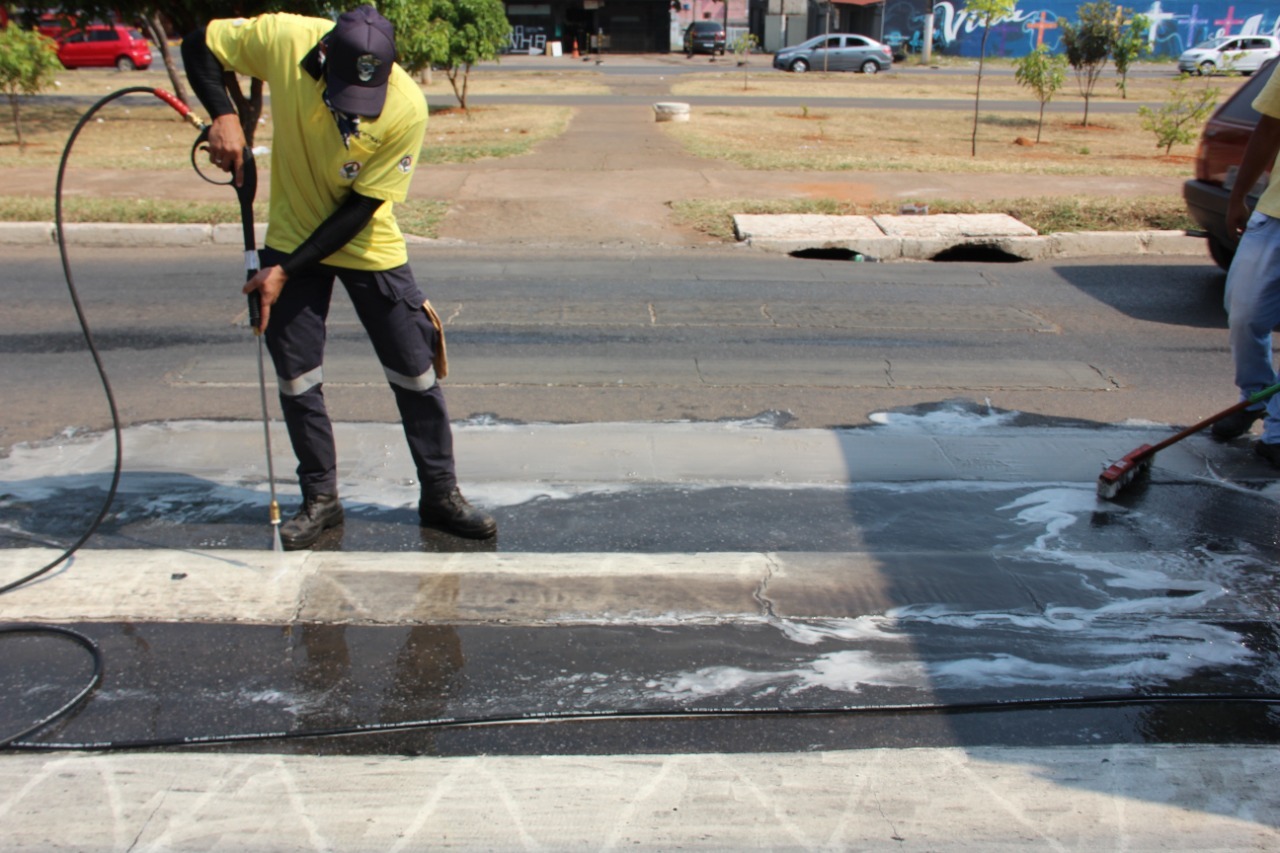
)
(1175, 25)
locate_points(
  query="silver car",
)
(1244, 54)
(835, 52)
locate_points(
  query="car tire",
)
(1206, 68)
(799, 66)
(871, 67)
(124, 63)
(1221, 253)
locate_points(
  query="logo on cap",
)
(367, 67)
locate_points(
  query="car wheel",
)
(1220, 252)
(799, 66)
(1207, 68)
(124, 63)
(870, 67)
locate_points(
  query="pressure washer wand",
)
(246, 191)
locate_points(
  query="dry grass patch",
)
(137, 132)
(140, 132)
(508, 130)
(499, 82)
(925, 84)
(769, 138)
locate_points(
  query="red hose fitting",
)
(183, 109)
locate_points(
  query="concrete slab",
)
(819, 229)
(954, 227)
(1140, 798)
(889, 237)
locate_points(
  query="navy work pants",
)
(390, 307)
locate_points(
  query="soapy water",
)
(1146, 628)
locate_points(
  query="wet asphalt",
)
(1002, 614)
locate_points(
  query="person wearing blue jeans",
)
(1252, 295)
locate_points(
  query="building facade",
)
(657, 26)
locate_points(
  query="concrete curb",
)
(875, 246)
(126, 235)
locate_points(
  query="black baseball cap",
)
(359, 53)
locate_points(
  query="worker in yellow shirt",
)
(348, 124)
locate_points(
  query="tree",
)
(742, 46)
(1043, 72)
(1130, 44)
(419, 36)
(28, 61)
(987, 12)
(1179, 119)
(1088, 44)
(471, 31)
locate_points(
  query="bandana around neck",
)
(348, 125)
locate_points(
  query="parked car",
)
(704, 37)
(1222, 144)
(105, 45)
(835, 52)
(1245, 54)
(54, 25)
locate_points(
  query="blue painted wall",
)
(1175, 25)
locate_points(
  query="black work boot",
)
(318, 514)
(449, 511)
(1236, 424)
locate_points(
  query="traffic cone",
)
(574, 42)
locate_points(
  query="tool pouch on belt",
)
(441, 362)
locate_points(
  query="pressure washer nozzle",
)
(276, 544)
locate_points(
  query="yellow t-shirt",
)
(1268, 103)
(312, 172)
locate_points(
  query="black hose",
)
(60, 233)
(94, 679)
(985, 706)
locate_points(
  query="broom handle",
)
(1256, 397)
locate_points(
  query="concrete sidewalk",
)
(1085, 799)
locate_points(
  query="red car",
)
(105, 45)
(1222, 145)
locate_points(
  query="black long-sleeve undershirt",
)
(204, 72)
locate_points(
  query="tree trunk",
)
(17, 121)
(249, 109)
(977, 92)
(155, 28)
(1040, 126)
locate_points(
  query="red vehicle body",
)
(104, 46)
(1222, 145)
(53, 25)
